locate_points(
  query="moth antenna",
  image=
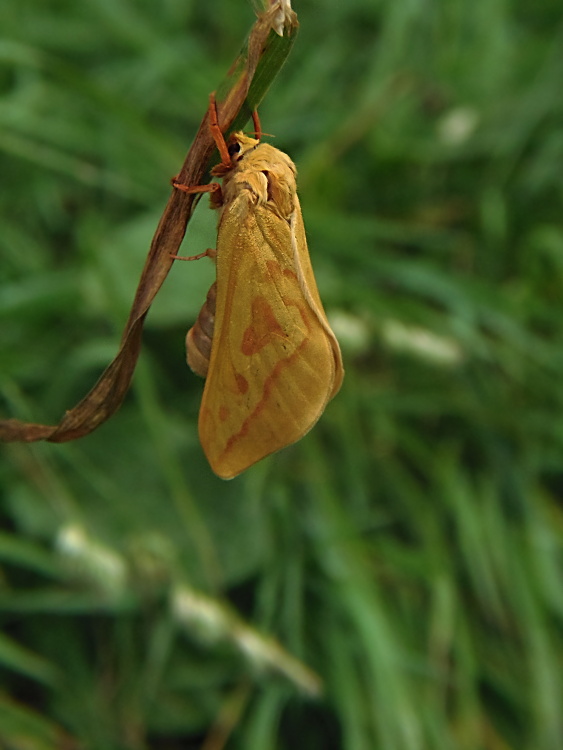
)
(259, 135)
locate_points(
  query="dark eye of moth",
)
(234, 149)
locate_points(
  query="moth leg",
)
(209, 253)
(211, 187)
(217, 133)
(257, 125)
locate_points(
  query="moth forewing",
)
(275, 362)
(309, 289)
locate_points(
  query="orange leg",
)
(257, 125)
(222, 147)
(211, 187)
(209, 253)
(217, 133)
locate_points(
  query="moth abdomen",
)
(200, 335)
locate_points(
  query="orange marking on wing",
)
(242, 383)
(274, 268)
(276, 271)
(262, 330)
(224, 412)
(268, 386)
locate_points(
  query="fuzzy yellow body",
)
(275, 362)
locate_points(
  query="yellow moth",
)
(262, 340)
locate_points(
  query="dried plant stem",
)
(267, 47)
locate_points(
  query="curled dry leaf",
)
(238, 96)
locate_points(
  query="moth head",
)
(239, 145)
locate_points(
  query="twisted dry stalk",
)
(267, 47)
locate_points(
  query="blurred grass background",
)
(409, 550)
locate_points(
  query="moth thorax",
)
(200, 335)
